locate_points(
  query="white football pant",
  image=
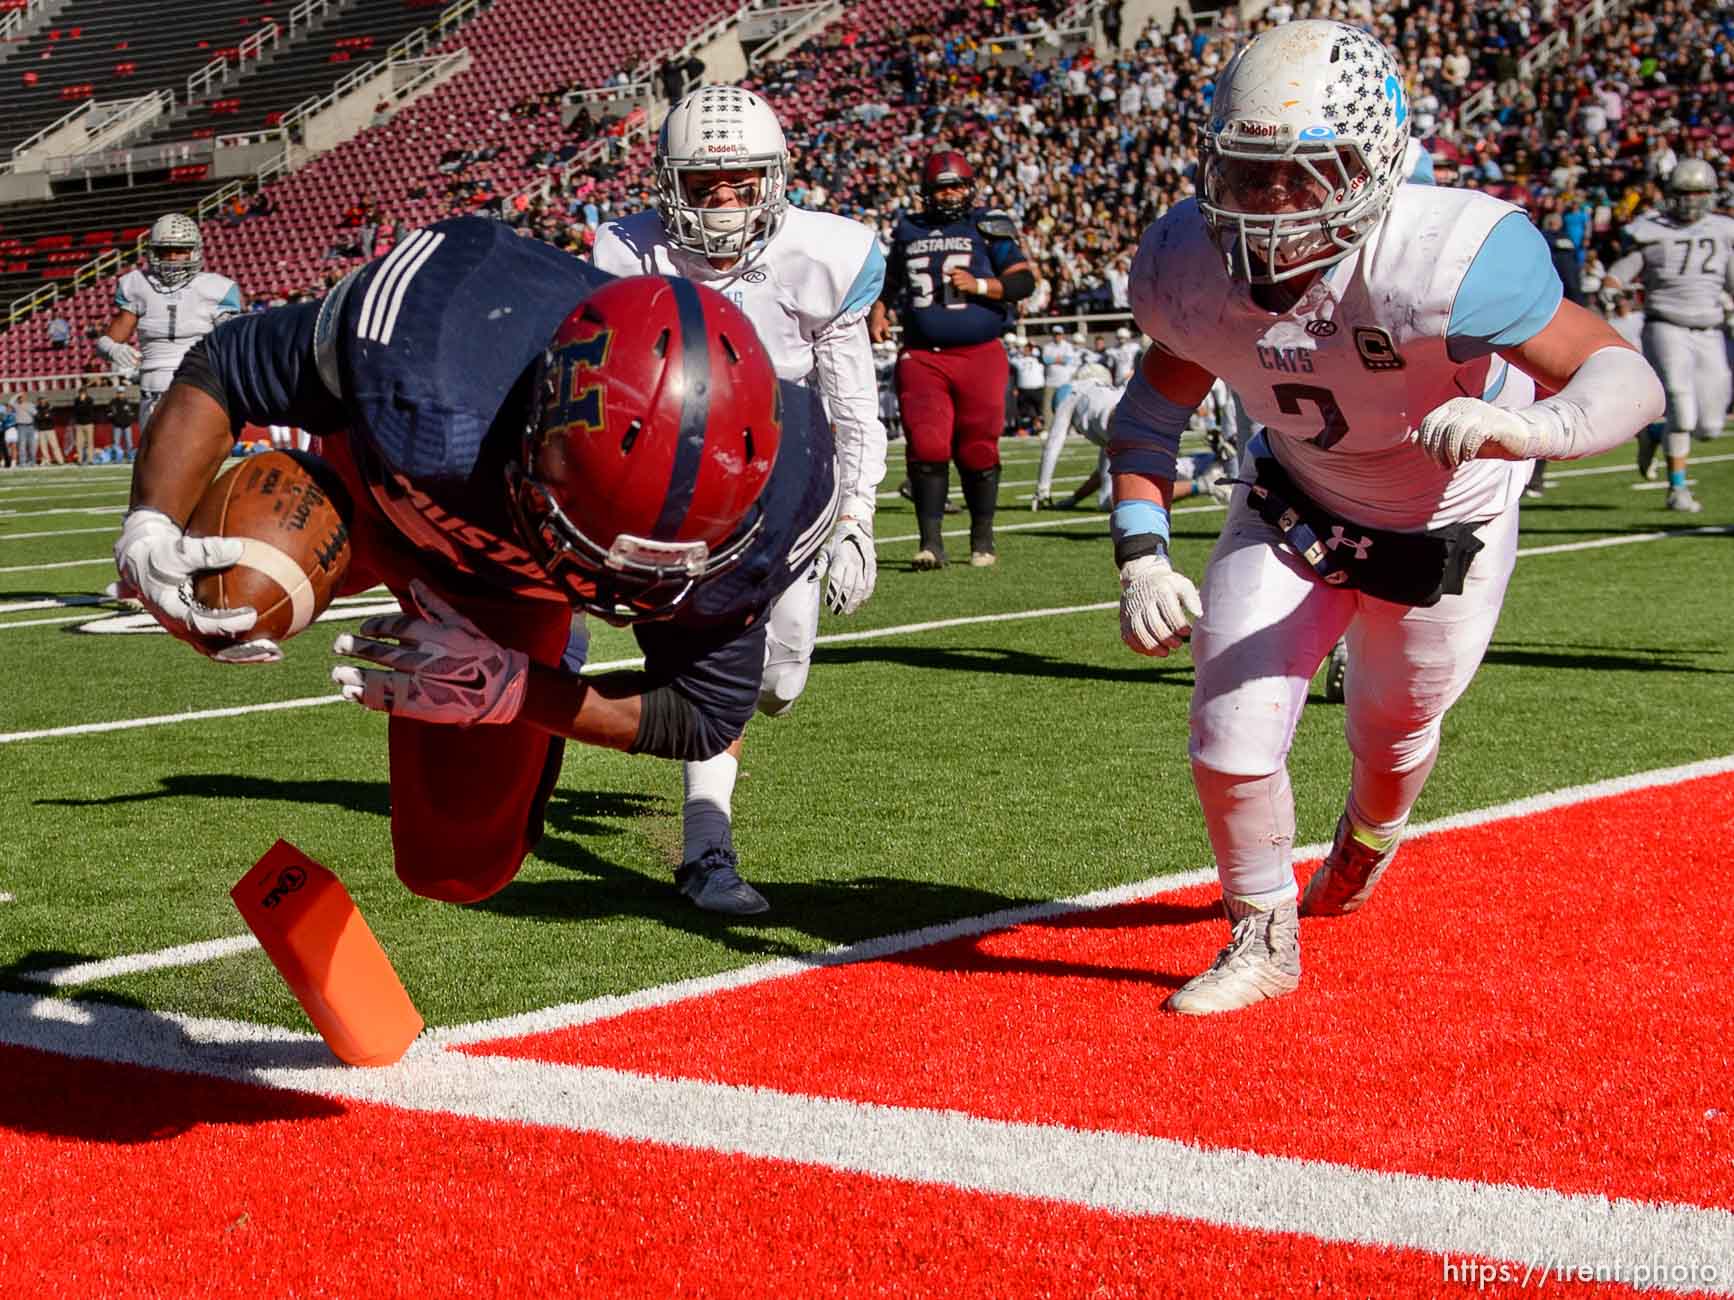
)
(1268, 624)
(1693, 365)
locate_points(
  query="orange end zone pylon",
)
(315, 935)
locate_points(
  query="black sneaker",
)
(713, 881)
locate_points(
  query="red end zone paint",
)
(125, 1181)
(1541, 1001)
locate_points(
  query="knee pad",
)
(781, 687)
(1678, 444)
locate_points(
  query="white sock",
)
(710, 790)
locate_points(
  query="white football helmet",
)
(1304, 148)
(173, 233)
(721, 128)
(1691, 190)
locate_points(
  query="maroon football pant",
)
(952, 403)
(466, 802)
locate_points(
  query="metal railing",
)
(16, 18)
(420, 39)
(64, 120)
(217, 71)
(805, 22)
(1544, 54)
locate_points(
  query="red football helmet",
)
(653, 428)
(944, 169)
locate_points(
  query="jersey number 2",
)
(1289, 398)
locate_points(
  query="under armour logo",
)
(1337, 538)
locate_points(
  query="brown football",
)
(292, 512)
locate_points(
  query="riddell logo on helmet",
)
(1261, 130)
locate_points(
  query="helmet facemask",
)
(1691, 191)
(683, 184)
(1281, 209)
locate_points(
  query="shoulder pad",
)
(997, 225)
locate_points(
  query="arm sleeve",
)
(1627, 269)
(714, 673)
(1508, 295)
(124, 301)
(260, 368)
(845, 362)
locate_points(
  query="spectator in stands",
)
(59, 333)
(83, 424)
(8, 436)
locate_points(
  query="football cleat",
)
(1649, 469)
(1337, 673)
(713, 881)
(928, 558)
(1042, 500)
(1681, 499)
(982, 559)
(1350, 870)
(1262, 961)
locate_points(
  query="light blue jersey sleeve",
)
(231, 303)
(1509, 294)
(869, 280)
(124, 303)
(1423, 173)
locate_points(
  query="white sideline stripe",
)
(1707, 530)
(69, 602)
(64, 532)
(611, 1005)
(136, 624)
(127, 724)
(1117, 1172)
(62, 510)
(188, 954)
(59, 494)
(58, 564)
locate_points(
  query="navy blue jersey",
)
(424, 361)
(924, 249)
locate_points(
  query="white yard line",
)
(838, 638)
(62, 510)
(64, 532)
(1118, 1172)
(187, 954)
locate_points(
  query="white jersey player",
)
(1088, 409)
(1123, 355)
(1685, 261)
(1382, 333)
(807, 281)
(170, 303)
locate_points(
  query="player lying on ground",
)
(523, 436)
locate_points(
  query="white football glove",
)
(443, 668)
(1467, 428)
(1157, 605)
(124, 355)
(851, 567)
(157, 561)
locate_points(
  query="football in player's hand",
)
(293, 514)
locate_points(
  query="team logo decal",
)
(1377, 348)
(1321, 329)
(580, 396)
